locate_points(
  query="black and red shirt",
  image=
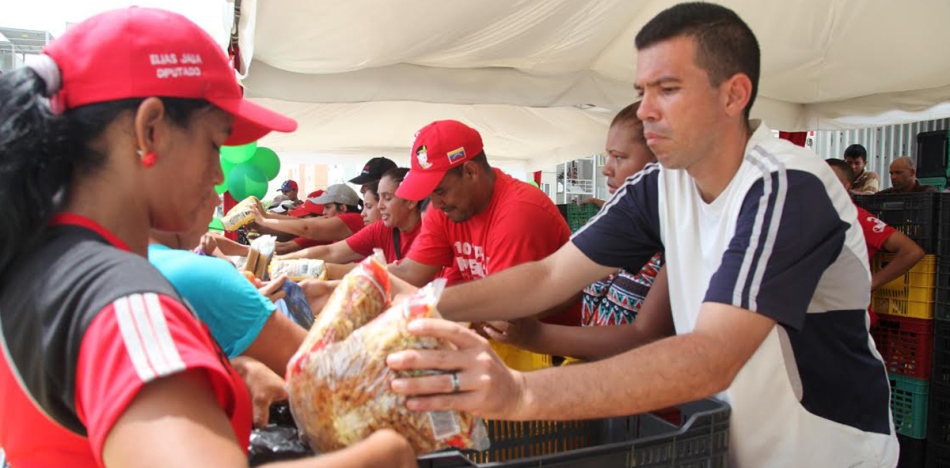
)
(85, 325)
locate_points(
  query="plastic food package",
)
(360, 297)
(240, 214)
(340, 393)
(259, 255)
(299, 270)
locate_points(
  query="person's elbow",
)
(914, 253)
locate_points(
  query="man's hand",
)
(265, 386)
(318, 292)
(272, 289)
(487, 388)
(521, 333)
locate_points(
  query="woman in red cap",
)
(102, 363)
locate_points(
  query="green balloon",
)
(216, 225)
(534, 184)
(245, 181)
(226, 169)
(267, 161)
(238, 154)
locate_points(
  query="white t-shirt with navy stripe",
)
(782, 240)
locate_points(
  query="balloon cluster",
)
(247, 169)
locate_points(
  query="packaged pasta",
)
(340, 393)
(240, 214)
(299, 269)
(360, 297)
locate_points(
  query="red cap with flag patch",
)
(145, 52)
(439, 146)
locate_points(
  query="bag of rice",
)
(299, 269)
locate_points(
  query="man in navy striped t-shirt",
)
(767, 268)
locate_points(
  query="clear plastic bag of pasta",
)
(341, 394)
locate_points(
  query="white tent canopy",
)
(541, 79)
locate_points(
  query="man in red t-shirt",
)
(879, 236)
(483, 221)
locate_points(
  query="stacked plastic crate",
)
(906, 308)
(577, 215)
(938, 438)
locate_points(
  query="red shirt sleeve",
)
(432, 246)
(367, 239)
(141, 338)
(876, 232)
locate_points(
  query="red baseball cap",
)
(146, 52)
(308, 206)
(439, 146)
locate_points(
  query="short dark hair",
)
(479, 159)
(349, 208)
(372, 188)
(397, 174)
(856, 151)
(725, 45)
(843, 166)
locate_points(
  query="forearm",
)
(657, 375)
(588, 343)
(896, 268)
(319, 252)
(414, 273)
(277, 342)
(297, 227)
(229, 247)
(383, 448)
(491, 298)
(336, 271)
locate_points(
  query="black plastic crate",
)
(938, 427)
(913, 452)
(942, 287)
(938, 456)
(914, 214)
(647, 440)
(940, 375)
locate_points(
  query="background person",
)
(865, 182)
(372, 172)
(904, 178)
(400, 225)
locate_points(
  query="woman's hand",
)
(522, 333)
(272, 289)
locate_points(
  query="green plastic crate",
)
(909, 405)
(579, 215)
(939, 182)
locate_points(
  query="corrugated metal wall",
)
(884, 144)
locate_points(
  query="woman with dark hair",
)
(370, 211)
(341, 217)
(103, 363)
(616, 299)
(400, 224)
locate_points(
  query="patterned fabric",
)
(616, 299)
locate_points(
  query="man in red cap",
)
(483, 221)
(289, 189)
